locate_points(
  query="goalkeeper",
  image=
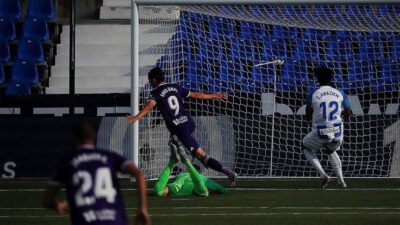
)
(186, 183)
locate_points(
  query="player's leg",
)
(199, 185)
(161, 188)
(311, 144)
(335, 162)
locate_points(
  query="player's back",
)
(327, 104)
(93, 190)
(169, 101)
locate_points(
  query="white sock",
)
(312, 158)
(337, 166)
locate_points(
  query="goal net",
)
(263, 57)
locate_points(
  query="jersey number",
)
(103, 186)
(332, 105)
(173, 104)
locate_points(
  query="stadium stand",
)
(25, 72)
(10, 9)
(36, 28)
(18, 89)
(5, 55)
(7, 29)
(41, 9)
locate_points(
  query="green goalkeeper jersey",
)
(183, 185)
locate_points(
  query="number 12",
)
(334, 105)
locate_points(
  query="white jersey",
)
(327, 104)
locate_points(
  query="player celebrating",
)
(92, 187)
(325, 107)
(168, 99)
(186, 183)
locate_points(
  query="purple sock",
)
(217, 166)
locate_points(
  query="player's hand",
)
(221, 95)
(132, 119)
(142, 218)
(62, 207)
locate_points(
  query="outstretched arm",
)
(146, 109)
(200, 95)
(142, 216)
(50, 202)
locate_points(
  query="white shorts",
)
(314, 142)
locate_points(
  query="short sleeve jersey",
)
(168, 98)
(327, 104)
(92, 187)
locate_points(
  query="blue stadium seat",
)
(7, 29)
(262, 75)
(284, 32)
(396, 48)
(209, 48)
(251, 30)
(36, 28)
(306, 49)
(231, 71)
(191, 24)
(193, 86)
(41, 9)
(391, 71)
(274, 49)
(199, 71)
(362, 71)
(323, 10)
(10, 9)
(5, 55)
(18, 89)
(242, 49)
(371, 48)
(220, 27)
(290, 10)
(355, 10)
(339, 49)
(2, 76)
(295, 70)
(30, 49)
(25, 72)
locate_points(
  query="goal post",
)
(262, 54)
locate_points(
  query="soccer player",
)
(325, 107)
(168, 99)
(92, 187)
(186, 183)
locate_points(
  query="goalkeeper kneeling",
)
(186, 183)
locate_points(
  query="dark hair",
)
(83, 131)
(323, 75)
(156, 74)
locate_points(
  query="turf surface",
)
(253, 201)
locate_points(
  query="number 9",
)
(173, 104)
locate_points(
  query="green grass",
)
(254, 201)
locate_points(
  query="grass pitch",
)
(252, 201)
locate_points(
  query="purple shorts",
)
(184, 133)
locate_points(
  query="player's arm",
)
(200, 95)
(142, 216)
(50, 200)
(309, 113)
(146, 109)
(346, 107)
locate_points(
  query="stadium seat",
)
(2, 76)
(391, 71)
(339, 49)
(263, 75)
(208, 48)
(220, 27)
(18, 89)
(25, 72)
(323, 10)
(10, 9)
(242, 48)
(295, 70)
(7, 29)
(231, 71)
(306, 49)
(36, 28)
(30, 49)
(5, 55)
(41, 9)
(274, 49)
(371, 48)
(198, 71)
(284, 32)
(251, 30)
(396, 48)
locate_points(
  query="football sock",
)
(337, 166)
(199, 185)
(312, 158)
(163, 179)
(215, 165)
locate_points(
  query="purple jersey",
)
(168, 98)
(92, 187)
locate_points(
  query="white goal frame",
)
(134, 148)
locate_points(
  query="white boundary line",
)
(243, 207)
(241, 189)
(225, 214)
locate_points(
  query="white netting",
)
(225, 48)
